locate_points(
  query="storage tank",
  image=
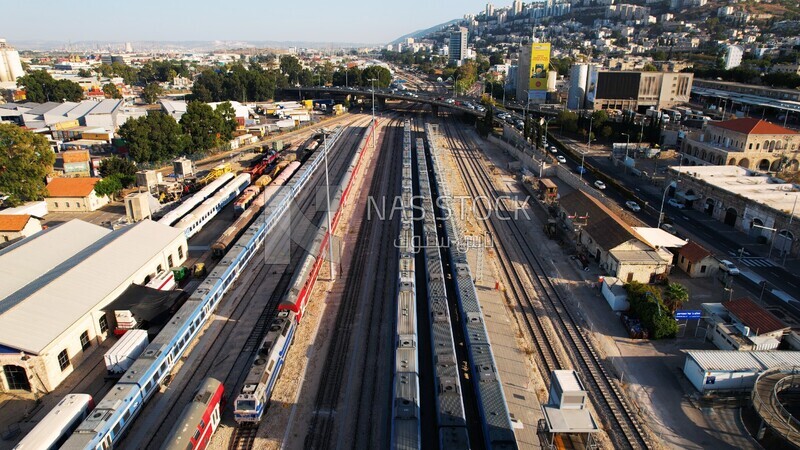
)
(578, 76)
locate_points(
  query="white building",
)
(10, 65)
(728, 370)
(733, 56)
(55, 286)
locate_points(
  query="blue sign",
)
(688, 314)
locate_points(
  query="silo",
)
(578, 75)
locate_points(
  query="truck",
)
(121, 355)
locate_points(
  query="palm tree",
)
(675, 295)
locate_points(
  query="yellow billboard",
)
(540, 62)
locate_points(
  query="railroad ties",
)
(498, 432)
(450, 416)
(406, 432)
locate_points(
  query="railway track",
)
(244, 437)
(622, 425)
(257, 287)
(371, 241)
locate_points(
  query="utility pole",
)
(328, 194)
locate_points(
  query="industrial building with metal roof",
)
(716, 370)
(58, 283)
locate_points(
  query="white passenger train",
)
(195, 220)
(197, 198)
(58, 424)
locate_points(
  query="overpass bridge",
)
(434, 99)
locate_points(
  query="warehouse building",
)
(74, 195)
(723, 370)
(56, 285)
(636, 91)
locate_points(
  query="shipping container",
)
(121, 355)
(74, 156)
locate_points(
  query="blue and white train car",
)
(198, 197)
(193, 222)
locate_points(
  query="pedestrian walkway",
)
(757, 262)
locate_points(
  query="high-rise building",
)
(516, 7)
(532, 74)
(458, 46)
(10, 65)
(128, 47)
(489, 10)
(733, 56)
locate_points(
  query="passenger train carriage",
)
(199, 419)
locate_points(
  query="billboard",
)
(540, 62)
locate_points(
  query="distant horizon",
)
(331, 23)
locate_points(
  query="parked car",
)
(599, 184)
(561, 159)
(727, 266)
(633, 206)
(673, 202)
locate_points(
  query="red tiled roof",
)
(13, 222)
(71, 187)
(750, 125)
(694, 252)
(754, 316)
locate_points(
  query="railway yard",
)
(438, 327)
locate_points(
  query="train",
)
(229, 236)
(193, 222)
(119, 408)
(57, 425)
(195, 199)
(406, 426)
(198, 420)
(451, 420)
(252, 401)
(498, 431)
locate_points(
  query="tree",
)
(381, 74)
(84, 73)
(675, 296)
(649, 68)
(123, 169)
(111, 91)
(110, 186)
(203, 125)
(646, 304)
(606, 131)
(486, 124)
(25, 160)
(151, 92)
(41, 87)
(227, 116)
(568, 120)
(154, 137)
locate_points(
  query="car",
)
(599, 184)
(727, 266)
(669, 228)
(673, 202)
(561, 159)
(553, 149)
(580, 169)
(633, 206)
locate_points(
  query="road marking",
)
(791, 284)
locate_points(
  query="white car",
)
(633, 206)
(727, 266)
(599, 184)
(561, 159)
(553, 149)
(669, 228)
(673, 202)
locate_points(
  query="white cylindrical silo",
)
(578, 75)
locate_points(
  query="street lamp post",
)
(583, 158)
(627, 144)
(372, 80)
(328, 195)
(663, 198)
(789, 228)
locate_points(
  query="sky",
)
(358, 21)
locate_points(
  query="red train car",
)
(199, 419)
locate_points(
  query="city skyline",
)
(346, 21)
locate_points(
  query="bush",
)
(646, 304)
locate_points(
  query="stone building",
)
(750, 143)
(760, 205)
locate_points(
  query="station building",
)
(56, 285)
(762, 206)
(74, 195)
(750, 143)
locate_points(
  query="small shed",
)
(696, 261)
(548, 190)
(730, 370)
(614, 292)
